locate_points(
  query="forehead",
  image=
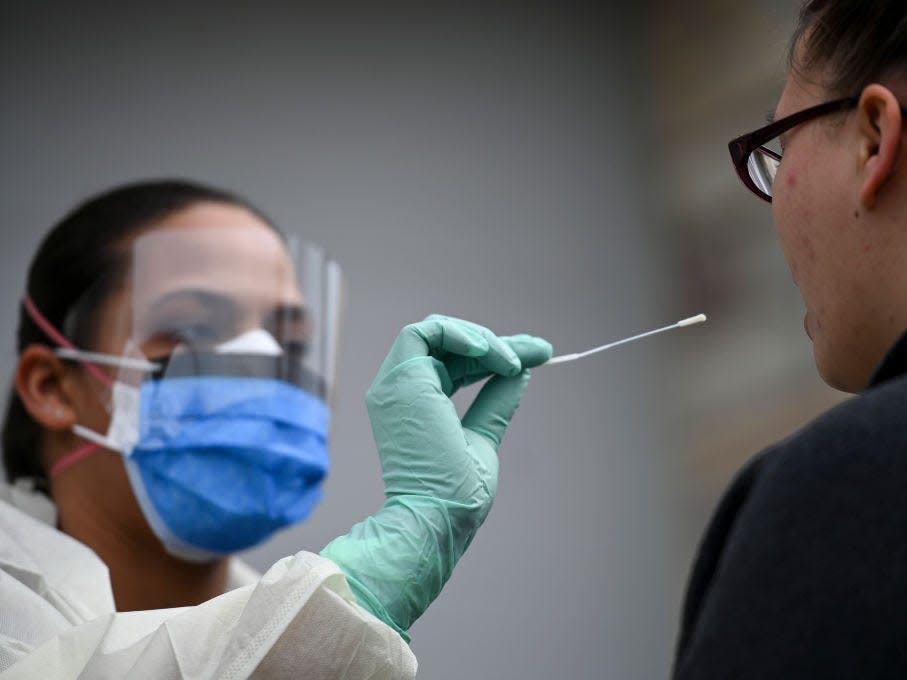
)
(224, 249)
(803, 87)
(799, 92)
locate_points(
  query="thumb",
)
(495, 405)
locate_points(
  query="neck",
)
(160, 581)
(142, 574)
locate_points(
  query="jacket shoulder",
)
(808, 540)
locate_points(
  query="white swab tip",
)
(699, 318)
(560, 360)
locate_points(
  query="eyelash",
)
(192, 333)
(297, 347)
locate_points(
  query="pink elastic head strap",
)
(62, 340)
(78, 454)
(71, 458)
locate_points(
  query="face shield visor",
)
(221, 347)
(243, 302)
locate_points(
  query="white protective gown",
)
(57, 617)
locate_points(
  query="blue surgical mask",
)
(221, 463)
(218, 462)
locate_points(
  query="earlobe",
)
(41, 384)
(880, 126)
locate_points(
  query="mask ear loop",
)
(78, 454)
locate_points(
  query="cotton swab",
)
(564, 358)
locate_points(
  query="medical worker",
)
(170, 408)
(803, 570)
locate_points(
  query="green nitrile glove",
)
(440, 474)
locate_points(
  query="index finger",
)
(430, 336)
(464, 348)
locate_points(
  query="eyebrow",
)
(208, 300)
(770, 117)
(224, 308)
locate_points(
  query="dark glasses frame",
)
(743, 146)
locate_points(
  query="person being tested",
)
(171, 408)
(802, 572)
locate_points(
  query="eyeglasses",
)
(756, 163)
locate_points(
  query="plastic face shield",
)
(218, 348)
(214, 301)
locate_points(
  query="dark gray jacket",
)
(802, 572)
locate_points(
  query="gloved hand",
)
(440, 474)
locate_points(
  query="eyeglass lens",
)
(762, 165)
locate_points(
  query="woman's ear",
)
(880, 128)
(43, 385)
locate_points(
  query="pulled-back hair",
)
(855, 42)
(80, 262)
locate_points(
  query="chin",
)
(836, 384)
(834, 376)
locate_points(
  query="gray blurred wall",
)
(484, 161)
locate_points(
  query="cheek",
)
(790, 179)
(792, 220)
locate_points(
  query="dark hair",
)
(80, 262)
(858, 41)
